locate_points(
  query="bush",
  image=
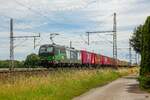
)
(32, 60)
(19, 64)
(144, 82)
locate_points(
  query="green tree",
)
(4, 64)
(18, 64)
(136, 40)
(32, 60)
(145, 55)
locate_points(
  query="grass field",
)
(60, 85)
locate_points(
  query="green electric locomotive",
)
(58, 56)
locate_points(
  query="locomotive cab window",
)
(42, 49)
(49, 49)
(73, 55)
(57, 51)
(62, 51)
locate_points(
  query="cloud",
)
(71, 19)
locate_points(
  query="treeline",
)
(141, 44)
(5, 63)
(31, 60)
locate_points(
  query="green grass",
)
(60, 85)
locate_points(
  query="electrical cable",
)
(32, 10)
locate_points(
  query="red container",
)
(105, 60)
(92, 58)
(108, 61)
(97, 59)
(111, 61)
(101, 59)
(84, 57)
(87, 57)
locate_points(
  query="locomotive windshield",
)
(45, 49)
(42, 50)
(49, 49)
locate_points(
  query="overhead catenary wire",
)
(36, 12)
(105, 39)
(43, 14)
(20, 43)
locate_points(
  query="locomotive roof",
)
(61, 46)
(52, 45)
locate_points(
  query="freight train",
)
(53, 55)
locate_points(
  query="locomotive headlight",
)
(62, 57)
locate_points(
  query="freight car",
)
(52, 55)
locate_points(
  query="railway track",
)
(6, 74)
(21, 69)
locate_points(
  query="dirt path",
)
(122, 89)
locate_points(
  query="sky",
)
(71, 19)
